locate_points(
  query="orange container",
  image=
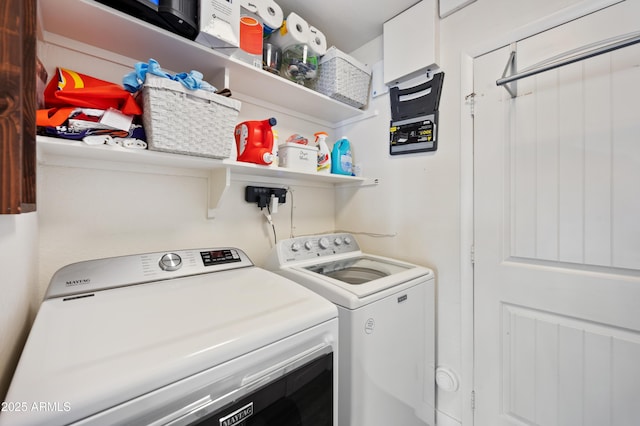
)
(254, 140)
(251, 35)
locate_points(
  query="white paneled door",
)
(557, 231)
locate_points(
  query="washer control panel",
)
(101, 274)
(314, 246)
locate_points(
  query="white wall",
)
(417, 205)
(88, 214)
(18, 251)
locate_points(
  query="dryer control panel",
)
(315, 246)
(101, 274)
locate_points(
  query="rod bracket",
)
(566, 58)
(510, 67)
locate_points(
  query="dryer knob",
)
(337, 241)
(170, 262)
(347, 240)
(308, 245)
(323, 243)
(295, 246)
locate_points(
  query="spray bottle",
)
(324, 155)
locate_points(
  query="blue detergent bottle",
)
(341, 159)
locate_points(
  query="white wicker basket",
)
(343, 78)
(183, 121)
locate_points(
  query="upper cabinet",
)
(89, 23)
(410, 42)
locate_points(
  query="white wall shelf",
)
(69, 153)
(98, 30)
(93, 24)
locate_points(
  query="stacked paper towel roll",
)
(271, 15)
(295, 30)
(317, 41)
(268, 11)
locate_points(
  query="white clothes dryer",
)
(387, 327)
(178, 338)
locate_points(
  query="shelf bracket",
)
(218, 184)
(365, 183)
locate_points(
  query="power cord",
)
(270, 220)
(290, 191)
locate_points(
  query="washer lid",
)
(359, 270)
(355, 281)
(96, 350)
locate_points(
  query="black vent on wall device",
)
(414, 117)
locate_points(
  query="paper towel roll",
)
(294, 30)
(317, 41)
(271, 15)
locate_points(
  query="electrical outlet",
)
(261, 195)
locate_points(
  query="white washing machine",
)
(180, 338)
(387, 327)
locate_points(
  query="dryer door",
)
(291, 382)
(303, 397)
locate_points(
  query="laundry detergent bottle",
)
(324, 155)
(254, 140)
(341, 159)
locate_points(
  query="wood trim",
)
(29, 106)
(17, 106)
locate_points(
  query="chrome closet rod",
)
(540, 67)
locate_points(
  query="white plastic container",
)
(298, 157)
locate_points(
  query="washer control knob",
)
(337, 241)
(308, 245)
(323, 242)
(295, 246)
(170, 262)
(347, 240)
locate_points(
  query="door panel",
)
(573, 155)
(557, 235)
(560, 370)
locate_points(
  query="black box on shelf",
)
(178, 16)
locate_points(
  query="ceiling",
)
(347, 24)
